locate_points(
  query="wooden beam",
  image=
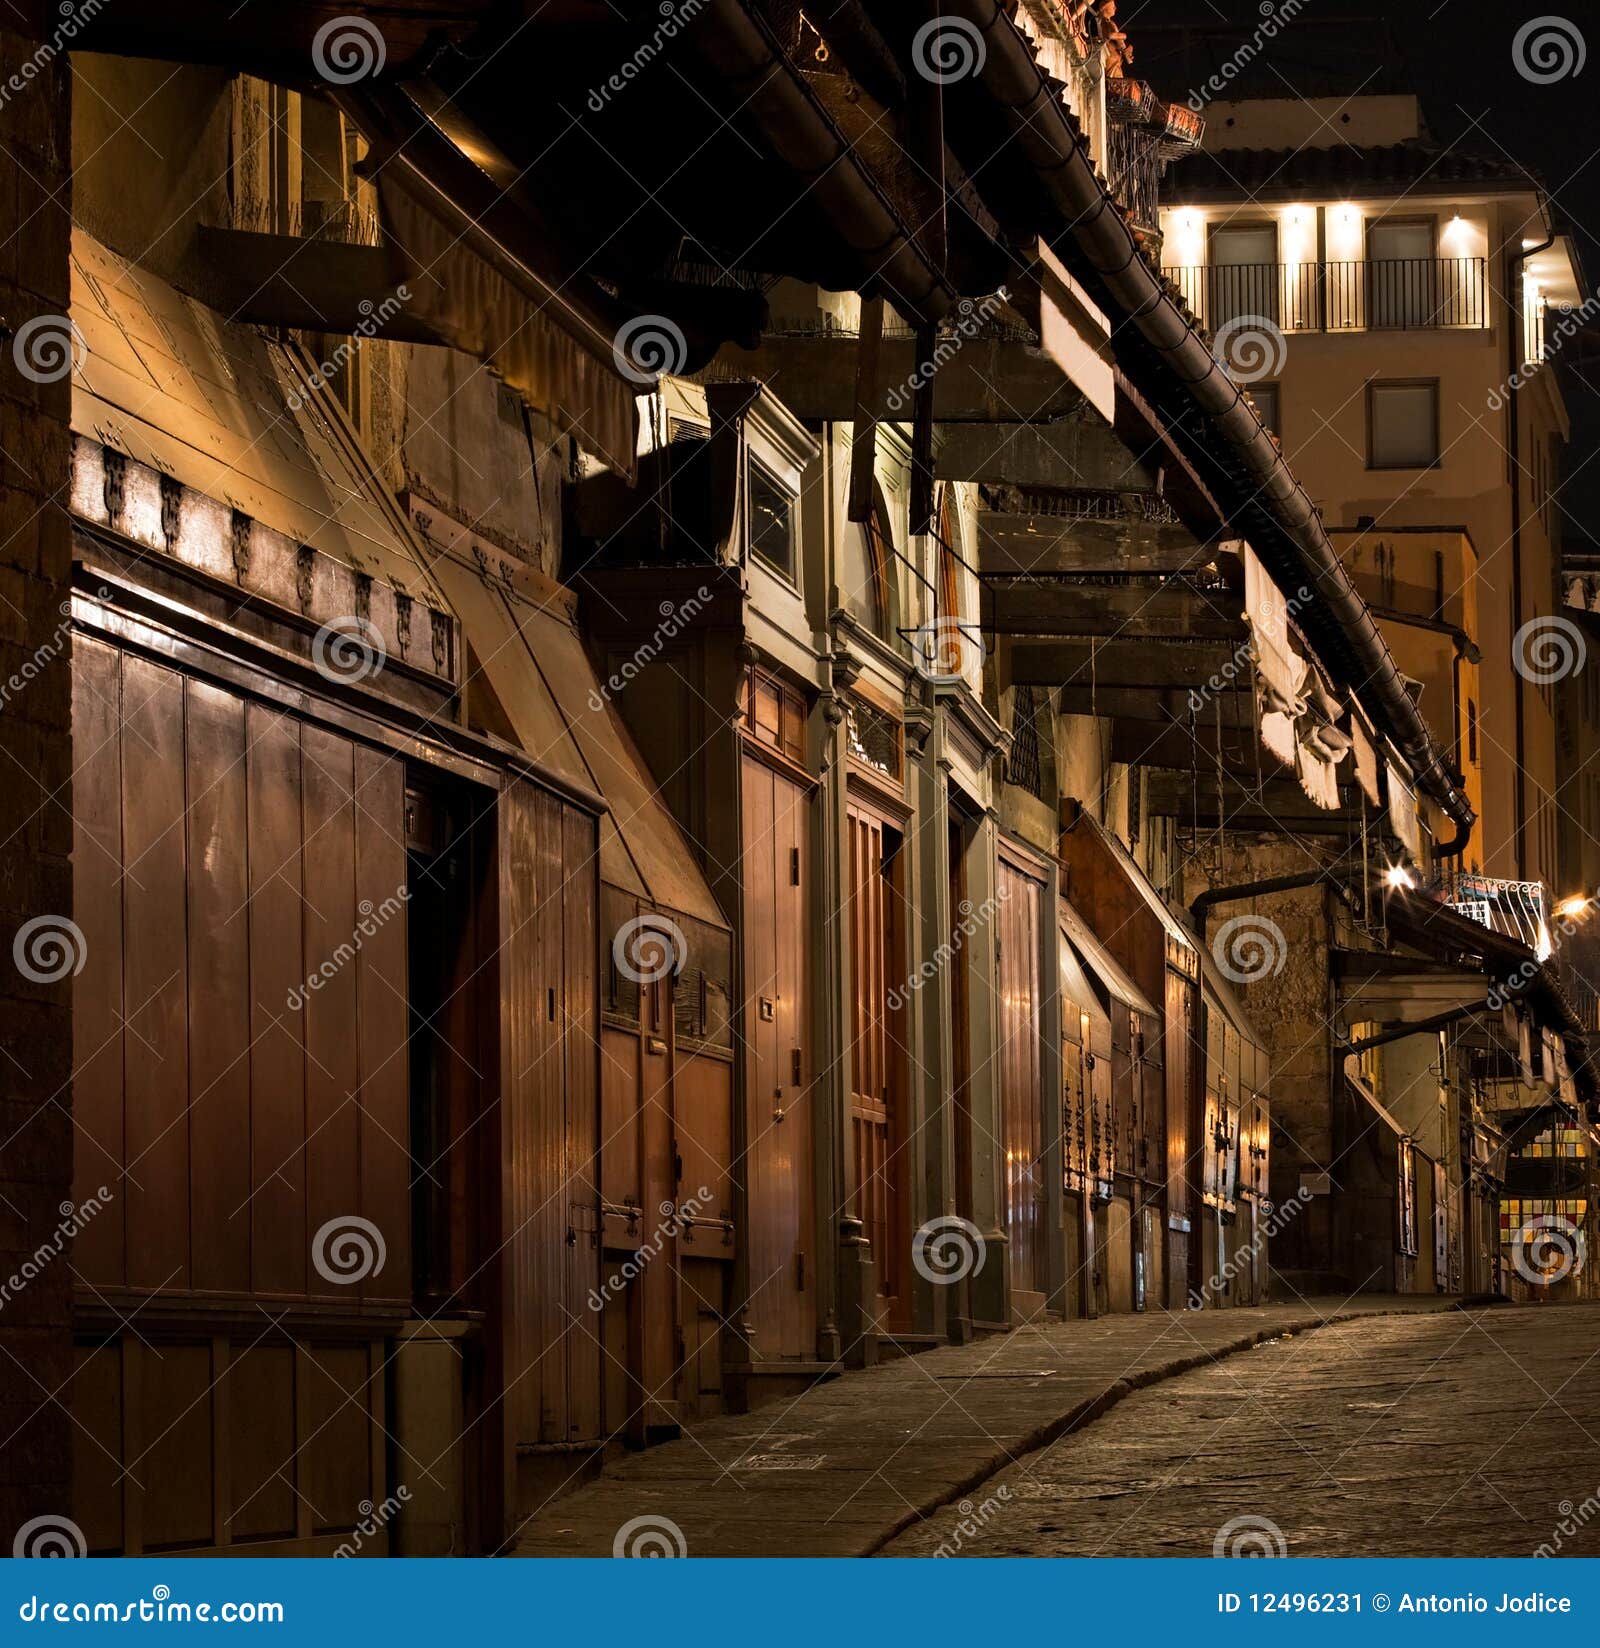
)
(1079, 450)
(985, 379)
(1119, 663)
(313, 285)
(1017, 542)
(1144, 611)
(1184, 747)
(1278, 805)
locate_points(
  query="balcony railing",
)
(1391, 294)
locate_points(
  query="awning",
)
(563, 715)
(1178, 936)
(1083, 1020)
(225, 409)
(1280, 671)
(474, 307)
(1403, 809)
(1097, 960)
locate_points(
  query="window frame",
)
(1374, 387)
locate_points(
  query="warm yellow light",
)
(1397, 875)
(1573, 906)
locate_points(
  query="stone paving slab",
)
(843, 1469)
(1470, 1434)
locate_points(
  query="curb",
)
(1096, 1407)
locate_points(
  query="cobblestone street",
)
(843, 1469)
(1457, 1434)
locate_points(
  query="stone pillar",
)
(37, 962)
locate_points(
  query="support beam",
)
(1020, 542)
(986, 379)
(312, 285)
(1279, 806)
(1120, 663)
(1078, 450)
(1142, 611)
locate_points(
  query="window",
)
(774, 714)
(1403, 424)
(1244, 273)
(866, 551)
(1401, 271)
(771, 521)
(1265, 395)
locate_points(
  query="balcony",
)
(1388, 295)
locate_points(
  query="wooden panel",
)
(336, 1467)
(548, 1086)
(219, 989)
(279, 1233)
(97, 1449)
(174, 1463)
(155, 979)
(779, 1125)
(875, 1097)
(550, 1106)
(579, 897)
(332, 1068)
(1021, 1096)
(1179, 1056)
(382, 993)
(261, 1500)
(97, 1035)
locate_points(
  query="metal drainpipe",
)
(1514, 461)
(1012, 79)
(1202, 905)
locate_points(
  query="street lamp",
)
(1569, 909)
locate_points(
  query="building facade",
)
(666, 759)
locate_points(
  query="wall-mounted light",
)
(1397, 875)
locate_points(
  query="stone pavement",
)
(843, 1469)
(1467, 1434)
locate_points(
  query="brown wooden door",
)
(1179, 1058)
(960, 1003)
(241, 1092)
(1021, 1107)
(877, 1080)
(778, 1118)
(549, 1119)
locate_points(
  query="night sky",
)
(1457, 56)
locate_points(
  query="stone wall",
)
(35, 785)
